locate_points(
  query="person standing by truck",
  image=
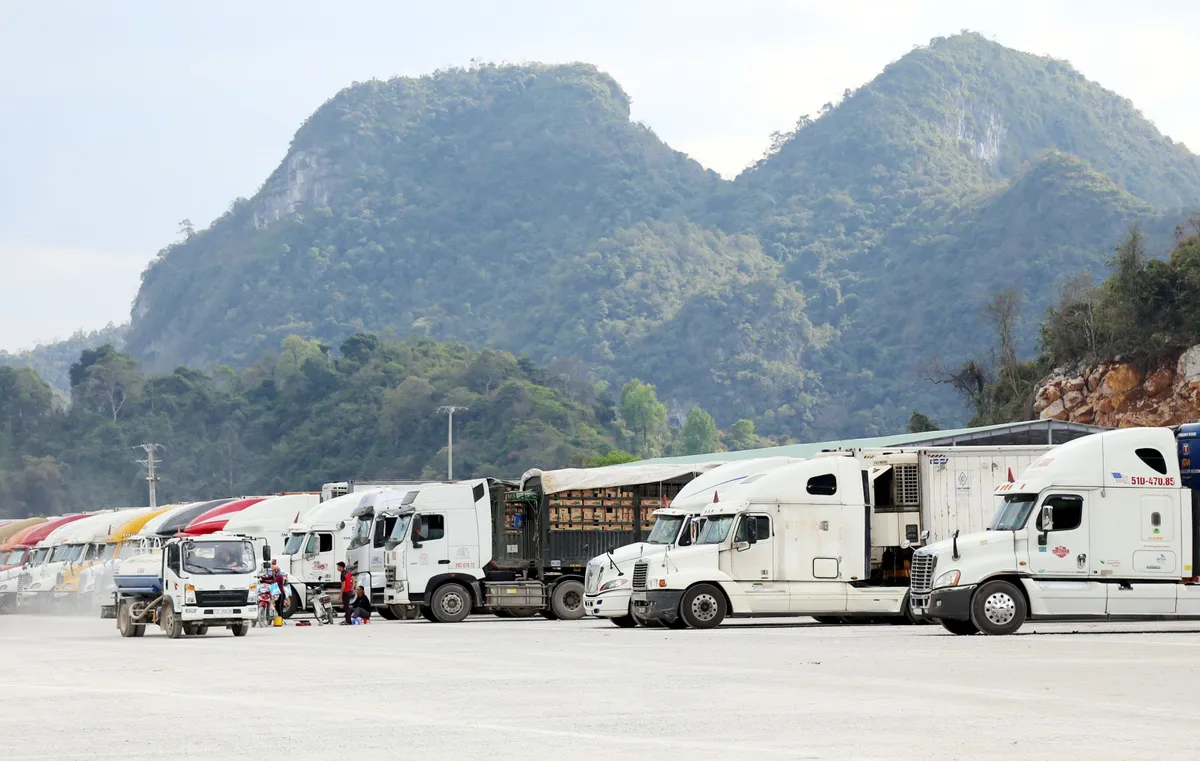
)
(347, 588)
(278, 578)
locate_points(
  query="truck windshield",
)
(12, 558)
(715, 529)
(218, 557)
(64, 553)
(130, 550)
(294, 543)
(106, 552)
(39, 556)
(400, 530)
(1014, 512)
(362, 531)
(666, 529)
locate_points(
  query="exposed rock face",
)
(1124, 394)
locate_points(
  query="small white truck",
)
(829, 537)
(1102, 527)
(607, 583)
(189, 585)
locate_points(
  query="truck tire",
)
(402, 612)
(292, 606)
(125, 623)
(386, 613)
(171, 623)
(961, 628)
(427, 614)
(240, 629)
(829, 620)
(450, 603)
(702, 607)
(566, 601)
(201, 630)
(998, 607)
(626, 621)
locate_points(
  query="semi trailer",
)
(519, 550)
(831, 537)
(1103, 527)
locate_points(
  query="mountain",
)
(519, 207)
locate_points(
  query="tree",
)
(186, 228)
(108, 381)
(643, 413)
(700, 433)
(295, 352)
(919, 422)
(359, 347)
(741, 436)
(613, 457)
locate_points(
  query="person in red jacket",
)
(347, 589)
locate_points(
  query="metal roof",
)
(1004, 434)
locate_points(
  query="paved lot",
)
(533, 689)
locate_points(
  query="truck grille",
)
(640, 571)
(921, 571)
(224, 598)
(23, 581)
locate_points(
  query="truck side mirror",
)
(751, 529)
(266, 553)
(1045, 524)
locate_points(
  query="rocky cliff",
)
(1125, 393)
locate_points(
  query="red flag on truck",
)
(715, 497)
(1010, 478)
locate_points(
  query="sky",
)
(119, 120)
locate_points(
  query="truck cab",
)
(1099, 528)
(317, 544)
(190, 584)
(793, 540)
(374, 520)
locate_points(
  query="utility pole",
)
(449, 412)
(151, 475)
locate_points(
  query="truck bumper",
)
(219, 616)
(395, 594)
(953, 603)
(656, 606)
(612, 604)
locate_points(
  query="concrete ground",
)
(532, 689)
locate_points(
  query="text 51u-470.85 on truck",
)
(1103, 527)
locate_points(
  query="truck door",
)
(430, 555)
(753, 564)
(382, 530)
(1057, 545)
(319, 563)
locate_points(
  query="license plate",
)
(223, 611)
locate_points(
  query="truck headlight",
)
(251, 595)
(189, 595)
(947, 579)
(613, 584)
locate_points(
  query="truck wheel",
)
(451, 603)
(125, 623)
(427, 614)
(626, 621)
(240, 629)
(961, 628)
(171, 623)
(567, 600)
(201, 630)
(399, 612)
(998, 608)
(702, 607)
(292, 606)
(385, 612)
(830, 620)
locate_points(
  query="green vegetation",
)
(518, 207)
(52, 361)
(307, 416)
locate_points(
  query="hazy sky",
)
(121, 119)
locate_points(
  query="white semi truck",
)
(830, 537)
(189, 585)
(608, 584)
(374, 519)
(315, 545)
(1102, 527)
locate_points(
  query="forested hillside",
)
(52, 361)
(312, 414)
(518, 207)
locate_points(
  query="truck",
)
(21, 586)
(96, 583)
(491, 546)
(374, 519)
(189, 585)
(831, 537)
(94, 537)
(315, 545)
(13, 548)
(607, 588)
(1105, 527)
